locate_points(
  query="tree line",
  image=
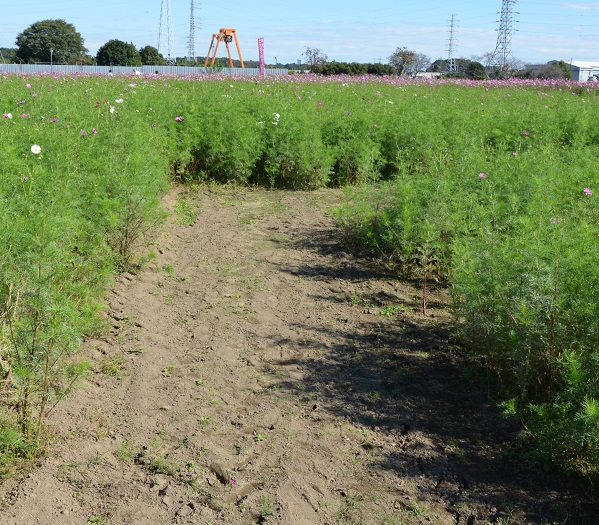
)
(57, 41)
(407, 62)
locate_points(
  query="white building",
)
(584, 71)
(581, 71)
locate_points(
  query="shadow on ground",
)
(404, 376)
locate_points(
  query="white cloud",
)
(581, 7)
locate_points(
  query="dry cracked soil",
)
(255, 372)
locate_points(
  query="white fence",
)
(128, 70)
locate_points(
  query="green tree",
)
(315, 58)
(379, 69)
(48, 40)
(7, 54)
(476, 71)
(566, 71)
(150, 56)
(118, 53)
(401, 60)
(408, 62)
(438, 66)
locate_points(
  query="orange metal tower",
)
(226, 36)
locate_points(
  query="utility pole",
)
(502, 56)
(452, 65)
(166, 25)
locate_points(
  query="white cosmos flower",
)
(35, 149)
(119, 100)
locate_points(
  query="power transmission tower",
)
(193, 23)
(166, 25)
(452, 65)
(502, 56)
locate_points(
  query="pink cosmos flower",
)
(526, 133)
(515, 153)
(94, 131)
(28, 86)
(24, 115)
(587, 191)
(319, 104)
(482, 175)
(179, 118)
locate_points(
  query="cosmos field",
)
(487, 187)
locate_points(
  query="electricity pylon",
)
(166, 25)
(191, 50)
(502, 56)
(452, 65)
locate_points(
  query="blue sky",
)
(349, 30)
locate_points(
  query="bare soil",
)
(254, 372)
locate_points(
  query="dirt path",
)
(255, 373)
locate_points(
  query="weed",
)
(125, 452)
(95, 460)
(392, 310)
(152, 458)
(168, 269)
(96, 520)
(163, 465)
(351, 510)
(186, 212)
(373, 396)
(265, 505)
(112, 365)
